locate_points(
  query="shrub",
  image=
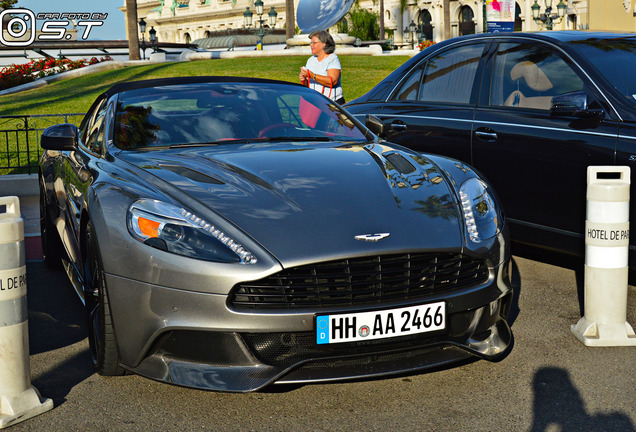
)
(363, 24)
(425, 44)
(14, 75)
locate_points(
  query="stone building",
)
(184, 21)
(188, 20)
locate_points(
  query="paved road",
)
(549, 382)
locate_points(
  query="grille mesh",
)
(286, 349)
(360, 281)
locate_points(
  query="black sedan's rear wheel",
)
(52, 248)
(101, 334)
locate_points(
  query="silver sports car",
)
(230, 233)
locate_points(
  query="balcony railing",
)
(20, 140)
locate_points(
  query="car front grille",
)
(360, 281)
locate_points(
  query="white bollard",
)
(604, 321)
(19, 400)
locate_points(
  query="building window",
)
(572, 22)
(466, 23)
(424, 20)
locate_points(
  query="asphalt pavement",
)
(549, 382)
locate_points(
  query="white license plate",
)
(382, 324)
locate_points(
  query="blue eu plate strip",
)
(322, 329)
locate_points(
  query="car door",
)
(537, 161)
(77, 177)
(626, 155)
(431, 109)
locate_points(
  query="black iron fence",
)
(20, 140)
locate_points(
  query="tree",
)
(133, 36)
(400, 20)
(446, 19)
(7, 4)
(291, 19)
(363, 24)
(381, 19)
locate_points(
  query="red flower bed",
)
(14, 75)
(425, 44)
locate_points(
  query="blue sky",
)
(114, 26)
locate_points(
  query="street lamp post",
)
(411, 29)
(548, 19)
(260, 31)
(142, 30)
(152, 33)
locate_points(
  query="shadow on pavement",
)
(58, 382)
(56, 322)
(559, 406)
(545, 256)
(56, 315)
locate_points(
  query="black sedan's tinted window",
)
(445, 77)
(225, 112)
(529, 75)
(616, 61)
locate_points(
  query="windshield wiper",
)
(212, 143)
(251, 140)
(288, 138)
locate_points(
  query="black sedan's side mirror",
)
(575, 104)
(60, 137)
(375, 125)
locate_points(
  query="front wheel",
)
(101, 334)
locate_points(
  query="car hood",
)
(310, 201)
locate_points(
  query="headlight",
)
(173, 229)
(480, 213)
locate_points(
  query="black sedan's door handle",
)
(486, 134)
(398, 126)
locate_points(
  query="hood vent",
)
(190, 174)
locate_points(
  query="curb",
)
(374, 50)
(26, 188)
(21, 185)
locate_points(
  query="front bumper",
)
(194, 339)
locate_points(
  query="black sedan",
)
(530, 111)
(229, 233)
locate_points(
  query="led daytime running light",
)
(469, 217)
(481, 216)
(245, 256)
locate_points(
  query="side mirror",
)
(60, 137)
(375, 125)
(575, 104)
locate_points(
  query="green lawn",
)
(360, 74)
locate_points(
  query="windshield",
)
(225, 113)
(616, 61)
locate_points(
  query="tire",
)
(101, 334)
(52, 248)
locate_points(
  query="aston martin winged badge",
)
(372, 237)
